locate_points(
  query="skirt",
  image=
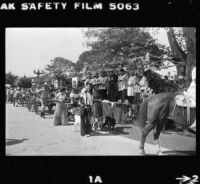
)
(60, 114)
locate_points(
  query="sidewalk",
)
(28, 134)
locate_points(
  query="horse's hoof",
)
(142, 152)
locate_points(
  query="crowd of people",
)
(128, 87)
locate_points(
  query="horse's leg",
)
(156, 133)
(149, 126)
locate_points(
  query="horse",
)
(153, 111)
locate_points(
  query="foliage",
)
(59, 67)
(117, 45)
(25, 82)
(11, 78)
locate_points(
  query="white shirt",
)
(103, 81)
(95, 81)
(131, 81)
(143, 84)
(87, 97)
(122, 82)
(147, 57)
(131, 86)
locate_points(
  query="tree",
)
(115, 45)
(59, 68)
(25, 82)
(11, 78)
(183, 45)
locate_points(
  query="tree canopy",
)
(11, 78)
(25, 82)
(116, 45)
(59, 68)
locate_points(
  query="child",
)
(130, 116)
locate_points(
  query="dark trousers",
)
(85, 114)
(123, 95)
(103, 94)
(14, 101)
(131, 99)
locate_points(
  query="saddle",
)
(184, 101)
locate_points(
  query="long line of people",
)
(90, 98)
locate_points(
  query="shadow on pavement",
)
(120, 130)
(178, 152)
(10, 142)
(102, 134)
(183, 133)
(117, 131)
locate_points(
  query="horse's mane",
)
(159, 85)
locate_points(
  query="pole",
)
(38, 73)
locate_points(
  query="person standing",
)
(103, 80)
(60, 114)
(86, 102)
(8, 95)
(16, 96)
(97, 104)
(45, 91)
(143, 83)
(131, 87)
(95, 80)
(122, 85)
(112, 89)
(137, 90)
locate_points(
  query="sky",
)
(33, 48)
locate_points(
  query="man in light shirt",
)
(122, 85)
(85, 110)
(103, 81)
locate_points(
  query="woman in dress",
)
(60, 114)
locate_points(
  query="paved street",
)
(28, 134)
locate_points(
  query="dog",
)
(110, 123)
(77, 124)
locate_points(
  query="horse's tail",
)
(142, 118)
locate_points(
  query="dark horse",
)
(153, 111)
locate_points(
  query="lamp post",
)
(38, 73)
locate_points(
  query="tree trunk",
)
(176, 49)
(190, 38)
(189, 59)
